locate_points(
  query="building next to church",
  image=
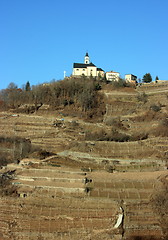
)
(87, 69)
(112, 76)
(130, 78)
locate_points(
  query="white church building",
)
(87, 69)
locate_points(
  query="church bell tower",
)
(87, 59)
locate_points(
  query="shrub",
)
(162, 129)
(65, 102)
(139, 136)
(118, 136)
(155, 108)
(6, 188)
(110, 169)
(98, 86)
(4, 160)
(119, 84)
(113, 135)
(142, 97)
(72, 124)
(97, 135)
(149, 116)
(114, 121)
(109, 121)
(102, 135)
(42, 154)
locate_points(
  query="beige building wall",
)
(91, 71)
(130, 78)
(112, 76)
(79, 71)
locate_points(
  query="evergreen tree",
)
(157, 78)
(147, 78)
(27, 88)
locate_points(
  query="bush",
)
(102, 135)
(4, 160)
(119, 84)
(149, 116)
(114, 121)
(139, 136)
(97, 135)
(98, 86)
(142, 97)
(42, 154)
(6, 188)
(113, 135)
(118, 136)
(155, 108)
(162, 129)
(65, 102)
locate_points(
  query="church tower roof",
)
(87, 59)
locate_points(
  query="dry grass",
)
(162, 129)
(106, 142)
(115, 122)
(160, 204)
(148, 116)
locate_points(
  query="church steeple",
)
(87, 59)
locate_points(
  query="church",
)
(87, 69)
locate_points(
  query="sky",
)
(40, 39)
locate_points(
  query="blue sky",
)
(39, 39)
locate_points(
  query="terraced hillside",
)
(59, 202)
(43, 135)
(86, 180)
(36, 128)
(53, 203)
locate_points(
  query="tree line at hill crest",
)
(82, 94)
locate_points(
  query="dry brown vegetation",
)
(150, 115)
(81, 95)
(160, 204)
(162, 128)
(13, 149)
(93, 151)
(6, 188)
